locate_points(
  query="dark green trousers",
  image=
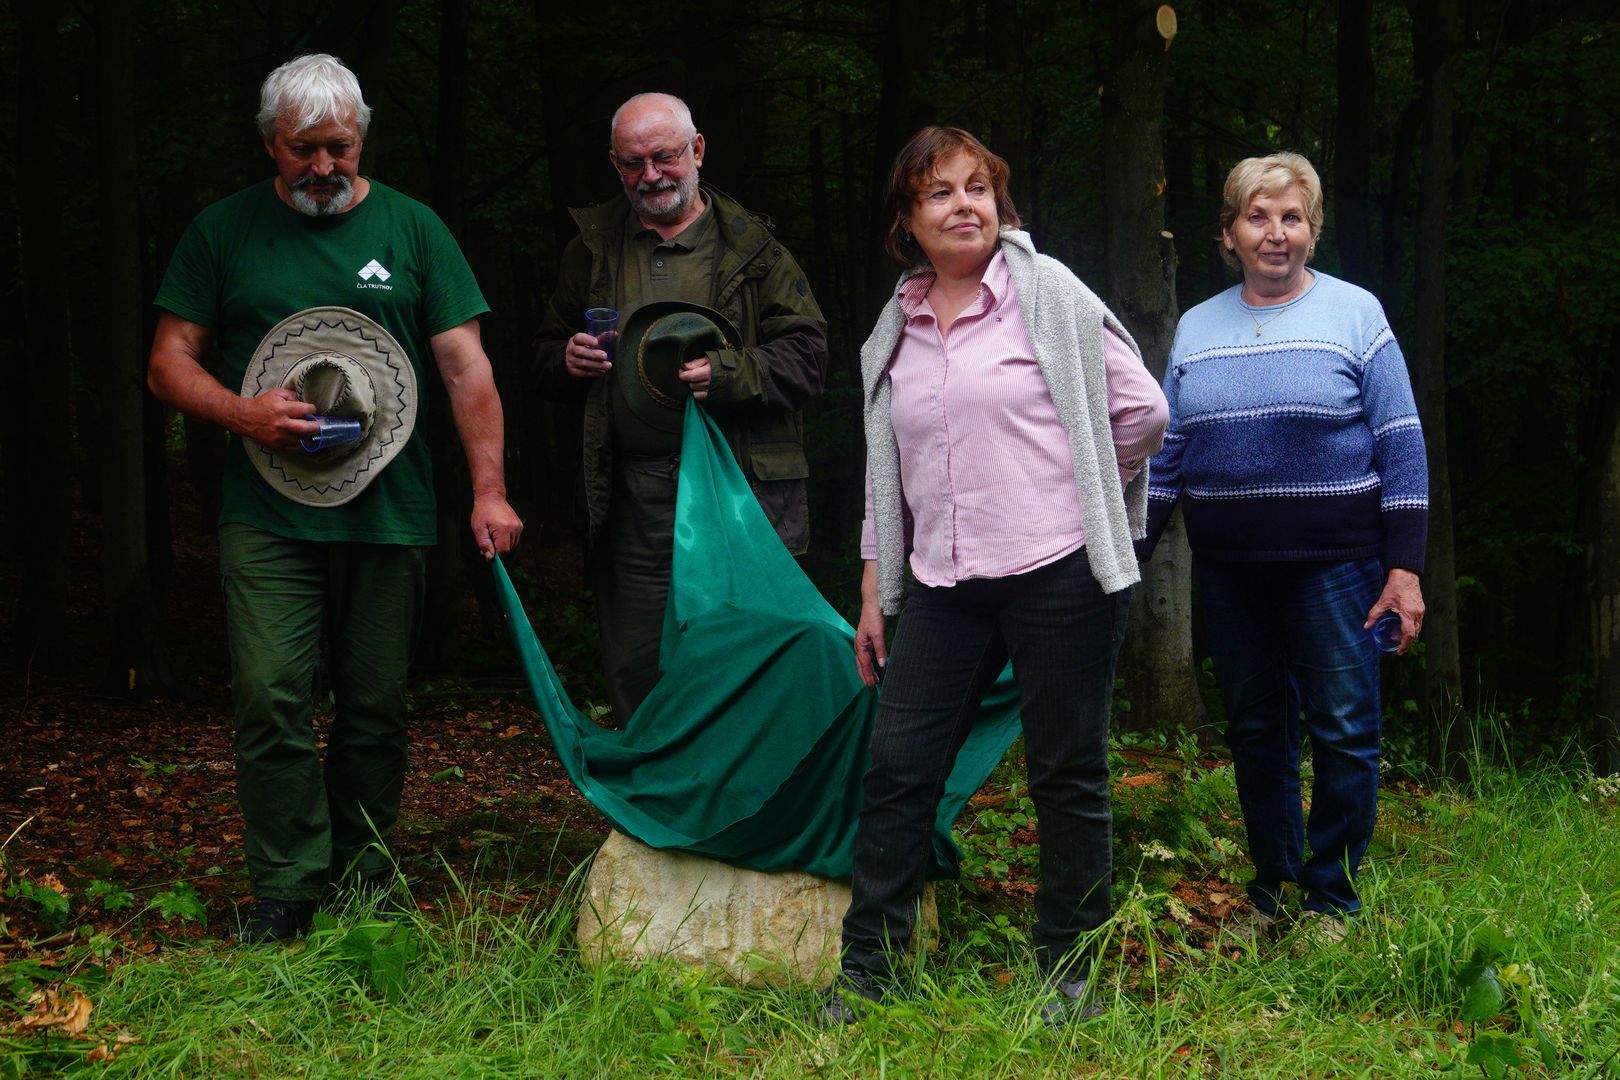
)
(306, 824)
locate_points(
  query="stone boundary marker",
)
(780, 927)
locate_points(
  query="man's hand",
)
(274, 419)
(495, 525)
(584, 360)
(695, 374)
(1403, 594)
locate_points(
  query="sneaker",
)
(275, 920)
(846, 999)
(1314, 929)
(1251, 926)
(1068, 999)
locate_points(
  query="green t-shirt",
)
(250, 260)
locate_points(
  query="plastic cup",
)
(1386, 632)
(602, 323)
(335, 431)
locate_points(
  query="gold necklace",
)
(1260, 327)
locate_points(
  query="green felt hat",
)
(344, 364)
(655, 342)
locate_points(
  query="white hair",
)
(676, 107)
(313, 89)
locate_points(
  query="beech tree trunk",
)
(1157, 662)
(1602, 543)
(1352, 145)
(1435, 41)
(443, 623)
(134, 646)
(904, 105)
(44, 371)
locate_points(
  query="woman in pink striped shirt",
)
(1009, 418)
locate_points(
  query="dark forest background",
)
(1468, 149)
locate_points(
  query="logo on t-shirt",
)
(374, 270)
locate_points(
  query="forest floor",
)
(121, 872)
(103, 785)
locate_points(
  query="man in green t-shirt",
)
(316, 239)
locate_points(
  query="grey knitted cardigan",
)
(1065, 322)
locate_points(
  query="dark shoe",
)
(846, 999)
(275, 920)
(1067, 999)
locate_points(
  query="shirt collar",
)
(688, 238)
(914, 290)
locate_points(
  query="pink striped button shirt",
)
(984, 459)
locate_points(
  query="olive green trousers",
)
(314, 815)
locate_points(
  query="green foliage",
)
(376, 952)
(111, 897)
(999, 841)
(180, 901)
(50, 904)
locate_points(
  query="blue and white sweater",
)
(1299, 443)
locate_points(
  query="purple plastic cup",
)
(335, 431)
(602, 323)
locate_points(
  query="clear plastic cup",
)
(1386, 632)
(335, 431)
(602, 323)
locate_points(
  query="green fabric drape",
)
(752, 747)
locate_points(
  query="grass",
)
(1519, 874)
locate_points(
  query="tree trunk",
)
(1157, 663)
(134, 645)
(904, 106)
(1352, 149)
(1435, 39)
(1601, 518)
(45, 367)
(442, 627)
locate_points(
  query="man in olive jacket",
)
(673, 240)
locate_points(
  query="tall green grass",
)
(1528, 861)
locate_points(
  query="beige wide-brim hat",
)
(344, 364)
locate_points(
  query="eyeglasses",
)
(663, 161)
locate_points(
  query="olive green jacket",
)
(756, 392)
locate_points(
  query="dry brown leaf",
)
(69, 1012)
(53, 883)
(1139, 780)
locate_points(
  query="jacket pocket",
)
(778, 461)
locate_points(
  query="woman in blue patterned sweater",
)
(1295, 450)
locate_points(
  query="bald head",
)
(657, 109)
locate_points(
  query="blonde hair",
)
(1255, 177)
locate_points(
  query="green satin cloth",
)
(752, 747)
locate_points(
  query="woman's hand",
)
(1403, 594)
(871, 652)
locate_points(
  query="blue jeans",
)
(1286, 639)
(1062, 633)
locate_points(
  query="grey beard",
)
(685, 193)
(305, 203)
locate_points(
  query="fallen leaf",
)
(1139, 780)
(53, 883)
(52, 1010)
